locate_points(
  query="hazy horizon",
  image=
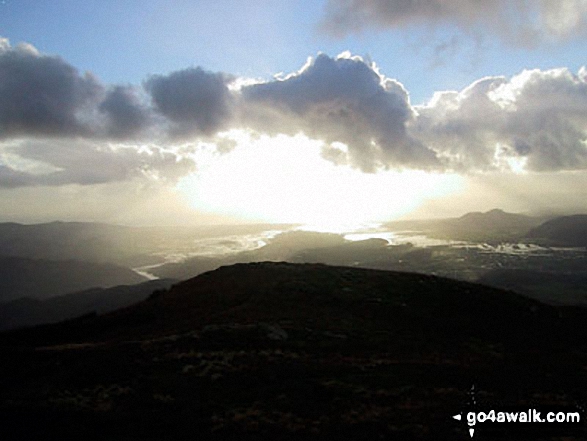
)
(307, 226)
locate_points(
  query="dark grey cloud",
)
(126, 115)
(537, 117)
(342, 100)
(42, 95)
(194, 100)
(515, 21)
(89, 162)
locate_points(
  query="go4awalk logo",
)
(510, 420)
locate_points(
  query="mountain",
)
(69, 240)
(269, 350)
(29, 312)
(565, 231)
(495, 219)
(97, 242)
(492, 226)
(42, 279)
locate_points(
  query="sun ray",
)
(284, 179)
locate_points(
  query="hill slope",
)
(29, 312)
(565, 230)
(42, 279)
(285, 351)
(492, 226)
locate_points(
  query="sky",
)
(331, 112)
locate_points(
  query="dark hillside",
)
(42, 279)
(28, 312)
(285, 351)
(566, 230)
(493, 226)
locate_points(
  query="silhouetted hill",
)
(27, 312)
(316, 294)
(270, 351)
(41, 279)
(495, 219)
(492, 226)
(565, 230)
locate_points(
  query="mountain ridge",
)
(270, 291)
(563, 230)
(28, 312)
(45, 278)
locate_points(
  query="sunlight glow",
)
(284, 179)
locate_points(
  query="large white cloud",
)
(537, 119)
(341, 100)
(525, 22)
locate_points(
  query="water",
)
(210, 247)
(233, 244)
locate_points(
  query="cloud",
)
(42, 95)
(10, 178)
(340, 100)
(126, 115)
(197, 102)
(59, 127)
(537, 119)
(61, 162)
(518, 21)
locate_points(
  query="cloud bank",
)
(537, 119)
(521, 22)
(58, 126)
(341, 100)
(85, 162)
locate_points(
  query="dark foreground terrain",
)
(275, 351)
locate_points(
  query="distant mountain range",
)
(28, 312)
(58, 258)
(492, 226)
(70, 240)
(270, 351)
(96, 242)
(41, 279)
(136, 246)
(497, 220)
